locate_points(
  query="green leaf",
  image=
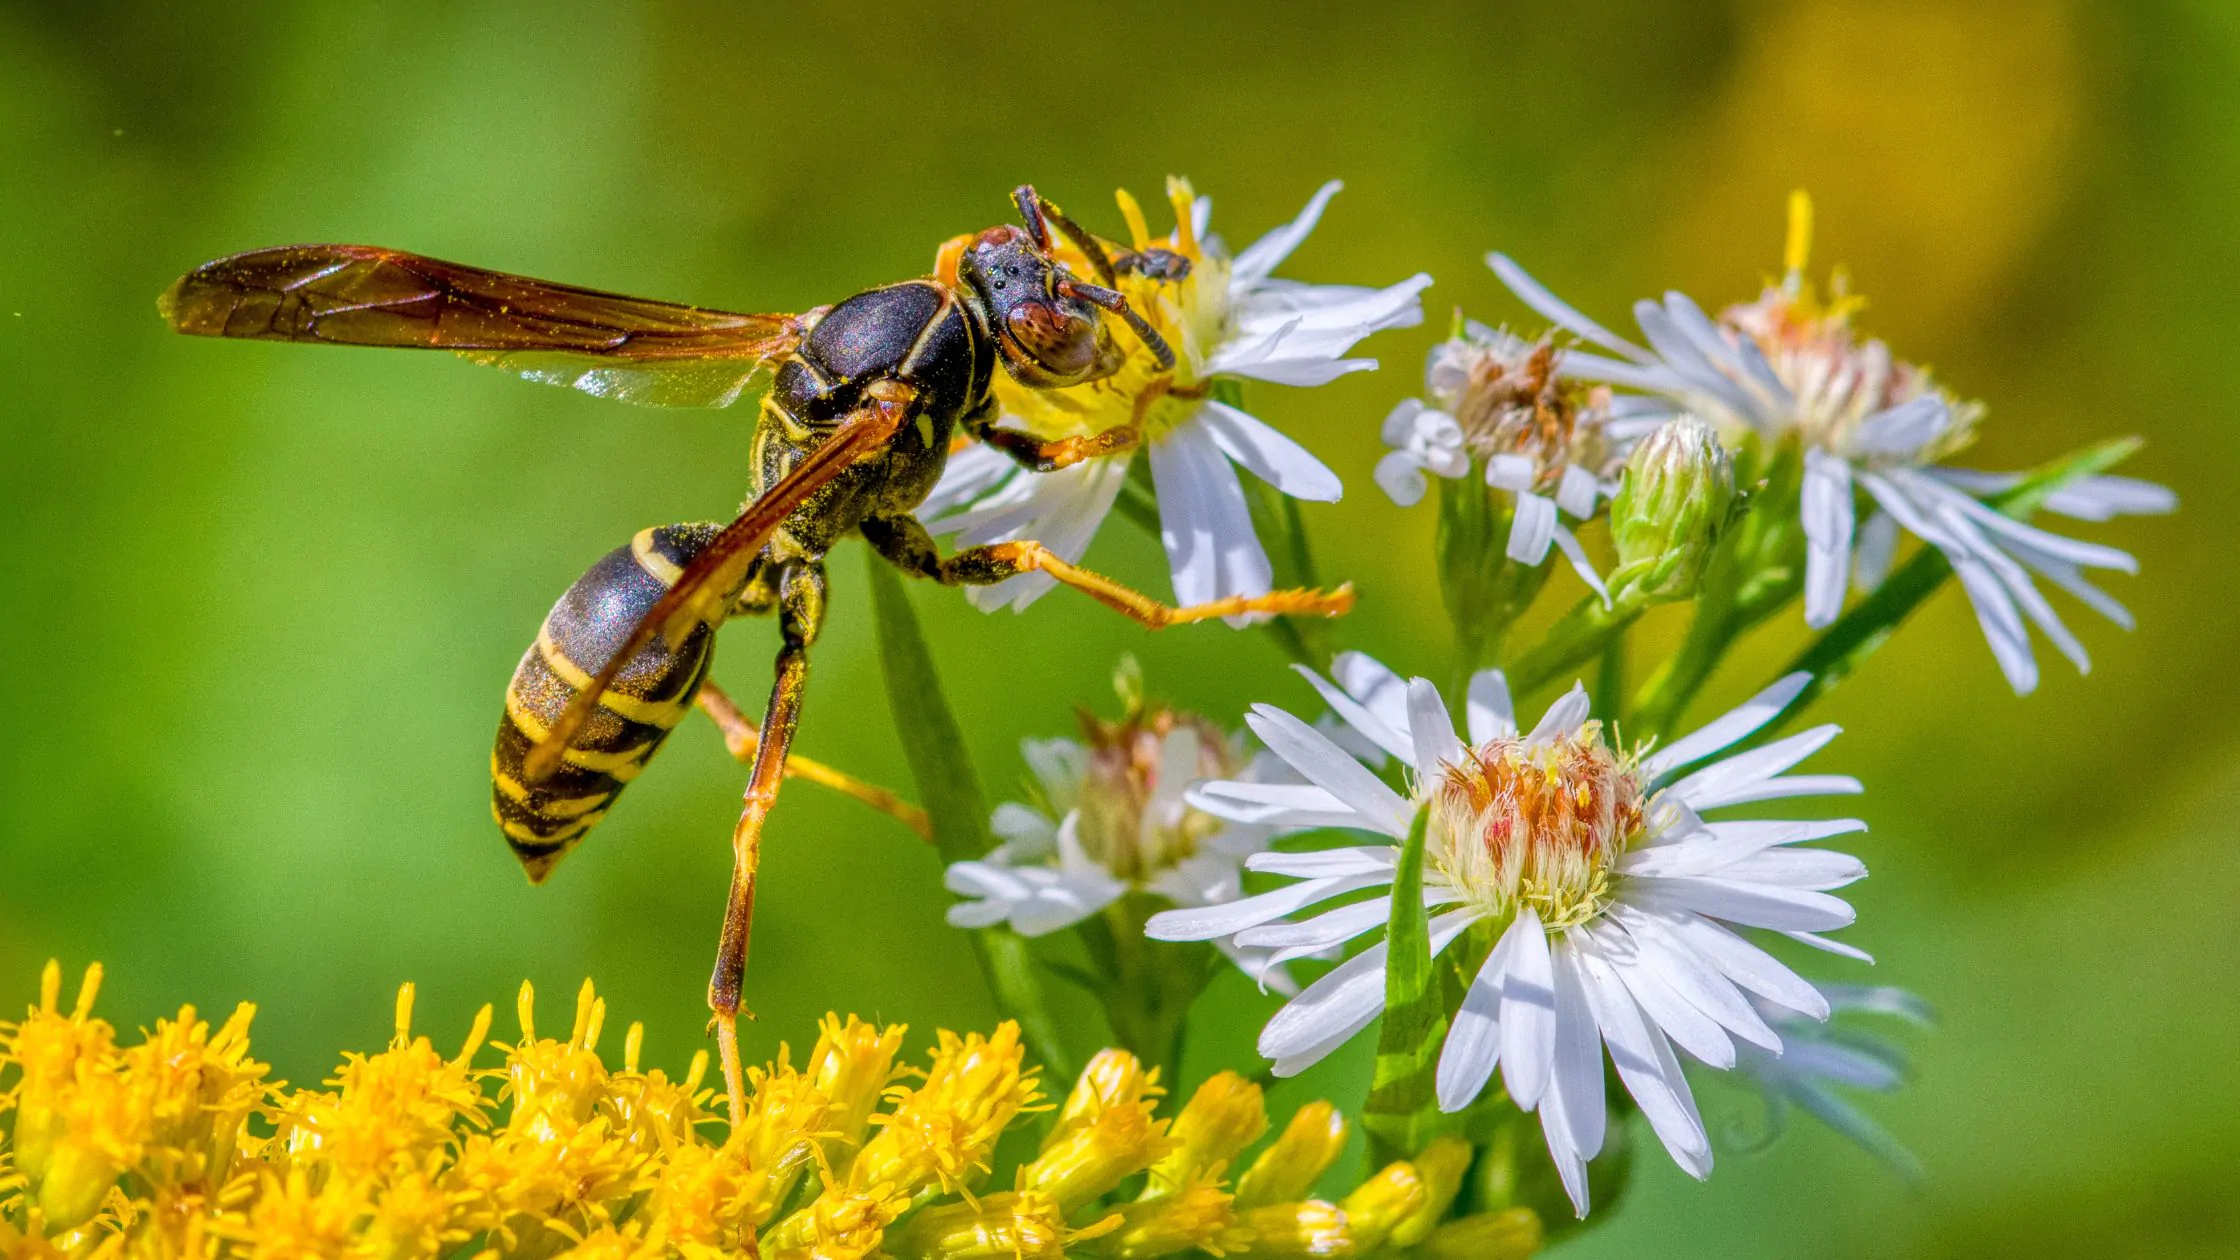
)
(949, 786)
(1870, 623)
(1402, 1112)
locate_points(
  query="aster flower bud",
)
(1672, 504)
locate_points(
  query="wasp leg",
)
(801, 594)
(743, 737)
(905, 544)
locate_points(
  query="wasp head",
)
(1048, 335)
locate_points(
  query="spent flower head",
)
(1111, 818)
(1500, 406)
(1226, 319)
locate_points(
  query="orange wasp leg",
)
(905, 543)
(743, 737)
(801, 593)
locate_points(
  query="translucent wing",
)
(704, 590)
(633, 349)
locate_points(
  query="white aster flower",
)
(1500, 404)
(1816, 1058)
(1228, 318)
(1587, 875)
(1111, 819)
(1789, 367)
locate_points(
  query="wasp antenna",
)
(1091, 248)
(1116, 302)
(1030, 210)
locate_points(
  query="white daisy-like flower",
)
(1790, 367)
(1817, 1058)
(1587, 873)
(1228, 318)
(1111, 819)
(1501, 404)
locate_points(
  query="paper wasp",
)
(866, 397)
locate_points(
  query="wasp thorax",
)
(1539, 825)
(1507, 398)
(1131, 818)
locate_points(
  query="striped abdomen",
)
(655, 690)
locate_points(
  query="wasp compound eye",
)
(1058, 340)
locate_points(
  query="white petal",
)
(1265, 254)
(1473, 1046)
(1724, 782)
(1379, 690)
(1575, 493)
(1904, 429)
(1837, 948)
(1400, 475)
(1575, 1076)
(1877, 546)
(1693, 976)
(1563, 718)
(1203, 520)
(1725, 729)
(1645, 1064)
(1745, 964)
(1203, 923)
(1431, 728)
(1347, 999)
(1695, 1031)
(1270, 455)
(1332, 927)
(1390, 736)
(1327, 863)
(1326, 765)
(1749, 904)
(971, 473)
(1490, 712)
(1828, 518)
(1532, 529)
(1528, 1011)
(1553, 308)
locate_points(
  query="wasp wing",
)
(608, 344)
(703, 592)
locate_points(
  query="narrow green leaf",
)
(1843, 646)
(949, 786)
(1402, 1111)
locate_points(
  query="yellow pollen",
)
(1139, 232)
(1797, 251)
(1183, 198)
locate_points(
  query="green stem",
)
(1591, 627)
(1149, 985)
(949, 787)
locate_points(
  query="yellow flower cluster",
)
(180, 1147)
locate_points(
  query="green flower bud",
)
(1673, 502)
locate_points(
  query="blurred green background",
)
(260, 602)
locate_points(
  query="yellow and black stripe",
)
(653, 693)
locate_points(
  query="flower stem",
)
(934, 746)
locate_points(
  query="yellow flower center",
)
(1537, 826)
(1191, 313)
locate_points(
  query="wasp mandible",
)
(865, 399)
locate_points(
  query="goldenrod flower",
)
(1297, 1158)
(178, 1147)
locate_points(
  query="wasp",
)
(865, 398)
